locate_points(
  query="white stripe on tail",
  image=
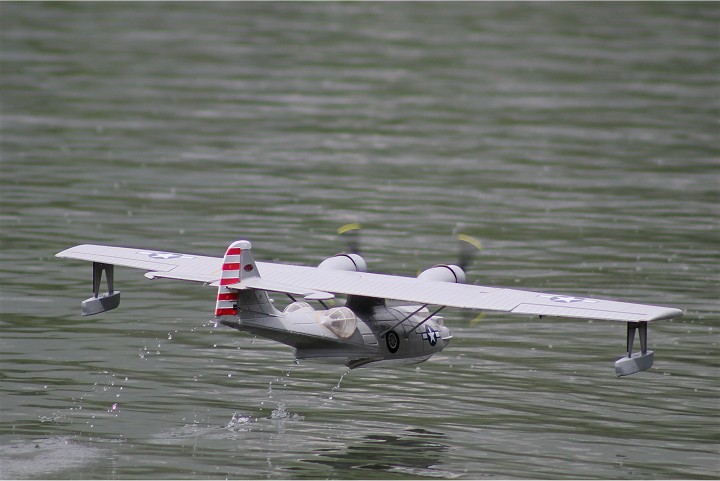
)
(238, 264)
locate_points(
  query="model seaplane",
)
(366, 330)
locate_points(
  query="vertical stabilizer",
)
(238, 264)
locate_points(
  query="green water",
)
(578, 141)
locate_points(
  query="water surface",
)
(578, 141)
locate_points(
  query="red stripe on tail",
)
(227, 296)
(227, 311)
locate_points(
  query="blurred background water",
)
(578, 141)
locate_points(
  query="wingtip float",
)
(366, 330)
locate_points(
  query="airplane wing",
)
(317, 283)
(464, 296)
(184, 267)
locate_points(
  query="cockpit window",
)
(297, 306)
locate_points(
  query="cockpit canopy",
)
(341, 321)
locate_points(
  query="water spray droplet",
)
(342, 376)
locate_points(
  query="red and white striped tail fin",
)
(238, 264)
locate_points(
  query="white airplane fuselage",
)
(365, 331)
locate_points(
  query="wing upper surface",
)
(166, 264)
(465, 296)
(301, 279)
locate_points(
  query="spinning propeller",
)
(468, 249)
(468, 246)
(351, 233)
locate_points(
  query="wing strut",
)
(429, 317)
(404, 319)
(631, 328)
(412, 314)
(640, 361)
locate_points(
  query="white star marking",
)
(431, 335)
(566, 299)
(165, 255)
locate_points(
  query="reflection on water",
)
(44, 458)
(415, 452)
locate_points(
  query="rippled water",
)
(579, 141)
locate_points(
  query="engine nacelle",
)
(344, 262)
(444, 273)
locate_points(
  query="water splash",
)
(337, 386)
(281, 413)
(236, 421)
